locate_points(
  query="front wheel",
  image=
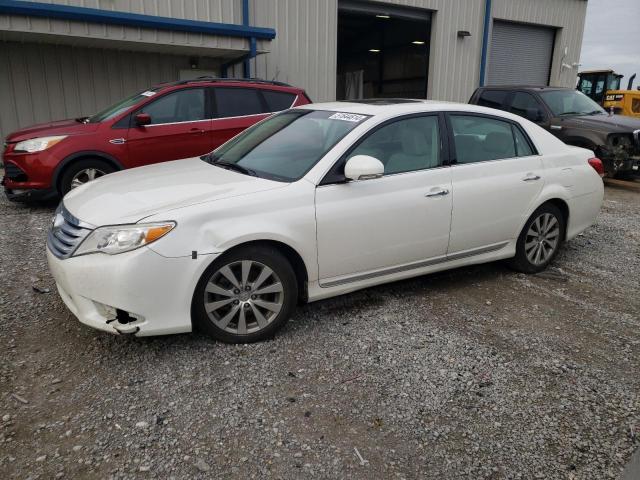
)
(540, 240)
(81, 172)
(246, 295)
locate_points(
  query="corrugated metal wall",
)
(303, 52)
(40, 82)
(226, 11)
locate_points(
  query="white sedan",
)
(312, 203)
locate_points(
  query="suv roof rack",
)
(208, 78)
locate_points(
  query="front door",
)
(369, 227)
(180, 128)
(497, 177)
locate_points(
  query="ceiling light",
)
(418, 42)
(374, 50)
(383, 16)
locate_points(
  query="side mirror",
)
(533, 114)
(142, 119)
(363, 167)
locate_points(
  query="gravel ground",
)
(475, 373)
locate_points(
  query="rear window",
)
(277, 101)
(492, 98)
(237, 102)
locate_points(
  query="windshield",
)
(122, 106)
(285, 146)
(570, 102)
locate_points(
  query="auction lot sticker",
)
(347, 117)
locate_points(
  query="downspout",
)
(246, 64)
(485, 40)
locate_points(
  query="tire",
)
(526, 259)
(236, 311)
(83, 171)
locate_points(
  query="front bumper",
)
(155, 291)
(29, 195)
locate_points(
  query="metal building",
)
(69, 58)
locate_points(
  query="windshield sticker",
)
(148, 93)
(348, 117)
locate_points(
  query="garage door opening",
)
(383, 51)
(520, 54)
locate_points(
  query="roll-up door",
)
(520, 54)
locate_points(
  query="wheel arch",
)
(79, 156)
(291, 254)
(563, 206)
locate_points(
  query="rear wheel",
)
(245, 296)
(540, 240)
(83, 171)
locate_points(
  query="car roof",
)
(236, 82)
(394, 108)
(539, 88)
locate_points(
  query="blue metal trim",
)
(246, 62)
(95, 15)
(485, 40)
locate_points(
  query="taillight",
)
(597, 165)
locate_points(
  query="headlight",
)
(38, 144)
(123, 238)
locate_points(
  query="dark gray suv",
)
(575, 119)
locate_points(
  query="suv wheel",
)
(82, 172)
(540, 240)
(245, 296)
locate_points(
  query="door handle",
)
(531, 177)
(556, 127)
(441, 192)
(196, 130)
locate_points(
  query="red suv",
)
(167, 122)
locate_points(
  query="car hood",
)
(60, 127)
(132, 195)
(609, 123)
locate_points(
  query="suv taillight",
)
(597, 165)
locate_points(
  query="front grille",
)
(14, 173)
(66, 233)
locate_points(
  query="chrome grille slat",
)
(66, 233)
(64, 238)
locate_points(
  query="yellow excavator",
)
(603, 86)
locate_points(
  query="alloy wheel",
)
(84, 176)
(243, 297)
(542, 239)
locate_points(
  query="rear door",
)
(180, 128)
(236, 108)
(497, 176)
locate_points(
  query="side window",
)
(478, 139)
(237, 102)
(523, 147)
(492, 98)
(526, 105)
(182, 106)
(277, 101)
(404, 146)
